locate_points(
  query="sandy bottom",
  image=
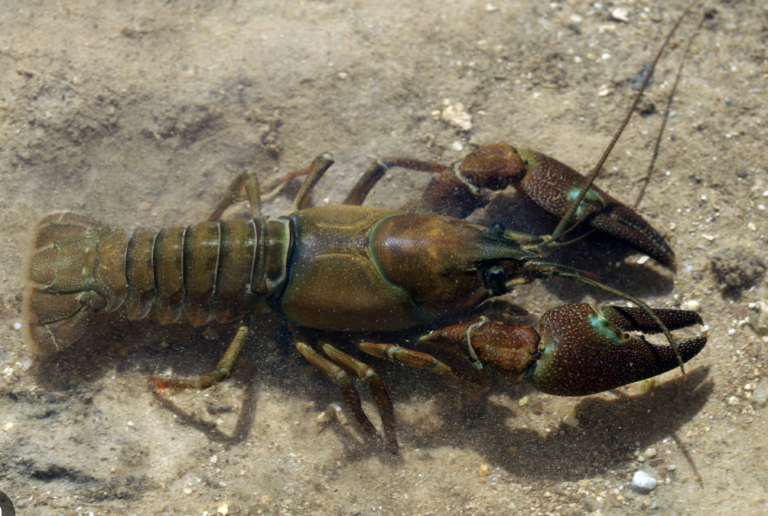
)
(141, 113)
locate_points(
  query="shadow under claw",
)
(605, 439)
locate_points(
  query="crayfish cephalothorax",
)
(352, 268)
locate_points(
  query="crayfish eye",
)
(497, 229)
(496, 273)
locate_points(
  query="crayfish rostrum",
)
(352, 269)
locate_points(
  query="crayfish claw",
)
(553, 186)
(584, 351)
(638, 319)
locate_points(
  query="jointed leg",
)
(222, 371)
(339, 377)
(251, 183)
(377, 170)
(369, 377)
(316, 170)
(408, 357)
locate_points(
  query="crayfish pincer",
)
(336, 273)
(580, 351)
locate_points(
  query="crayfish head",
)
(447, 266)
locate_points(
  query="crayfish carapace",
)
(351, 268)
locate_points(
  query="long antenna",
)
(562, 225)
(647, 178)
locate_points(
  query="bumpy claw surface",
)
(509, 350)
(584, 351)
(553, 186)
(581, 351)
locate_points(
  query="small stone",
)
(620, 14)
(759, 396)
(643, 482)
(214, 459)
(691, 305)
(737, 268)
(571, 421)
(483, 471)
(223, 509)
(650, 452)
(758, 317)
(456, 115)
(523, 401)
(323, 417)
(145, 206)
(604, 91)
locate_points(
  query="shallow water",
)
(142, 114)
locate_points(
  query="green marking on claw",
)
(591, 196)
(604, 329)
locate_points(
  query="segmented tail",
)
(76, 269)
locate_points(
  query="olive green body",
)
(337, 268)
(335, 281)
(218, 271)
(357, 268)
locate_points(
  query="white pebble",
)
(650, 452)
(759, 395)
(691, 305)
(456, 115)
(17, 326)
(620, 14)
(571, 421)
(642, 481)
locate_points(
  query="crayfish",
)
(351, 269)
